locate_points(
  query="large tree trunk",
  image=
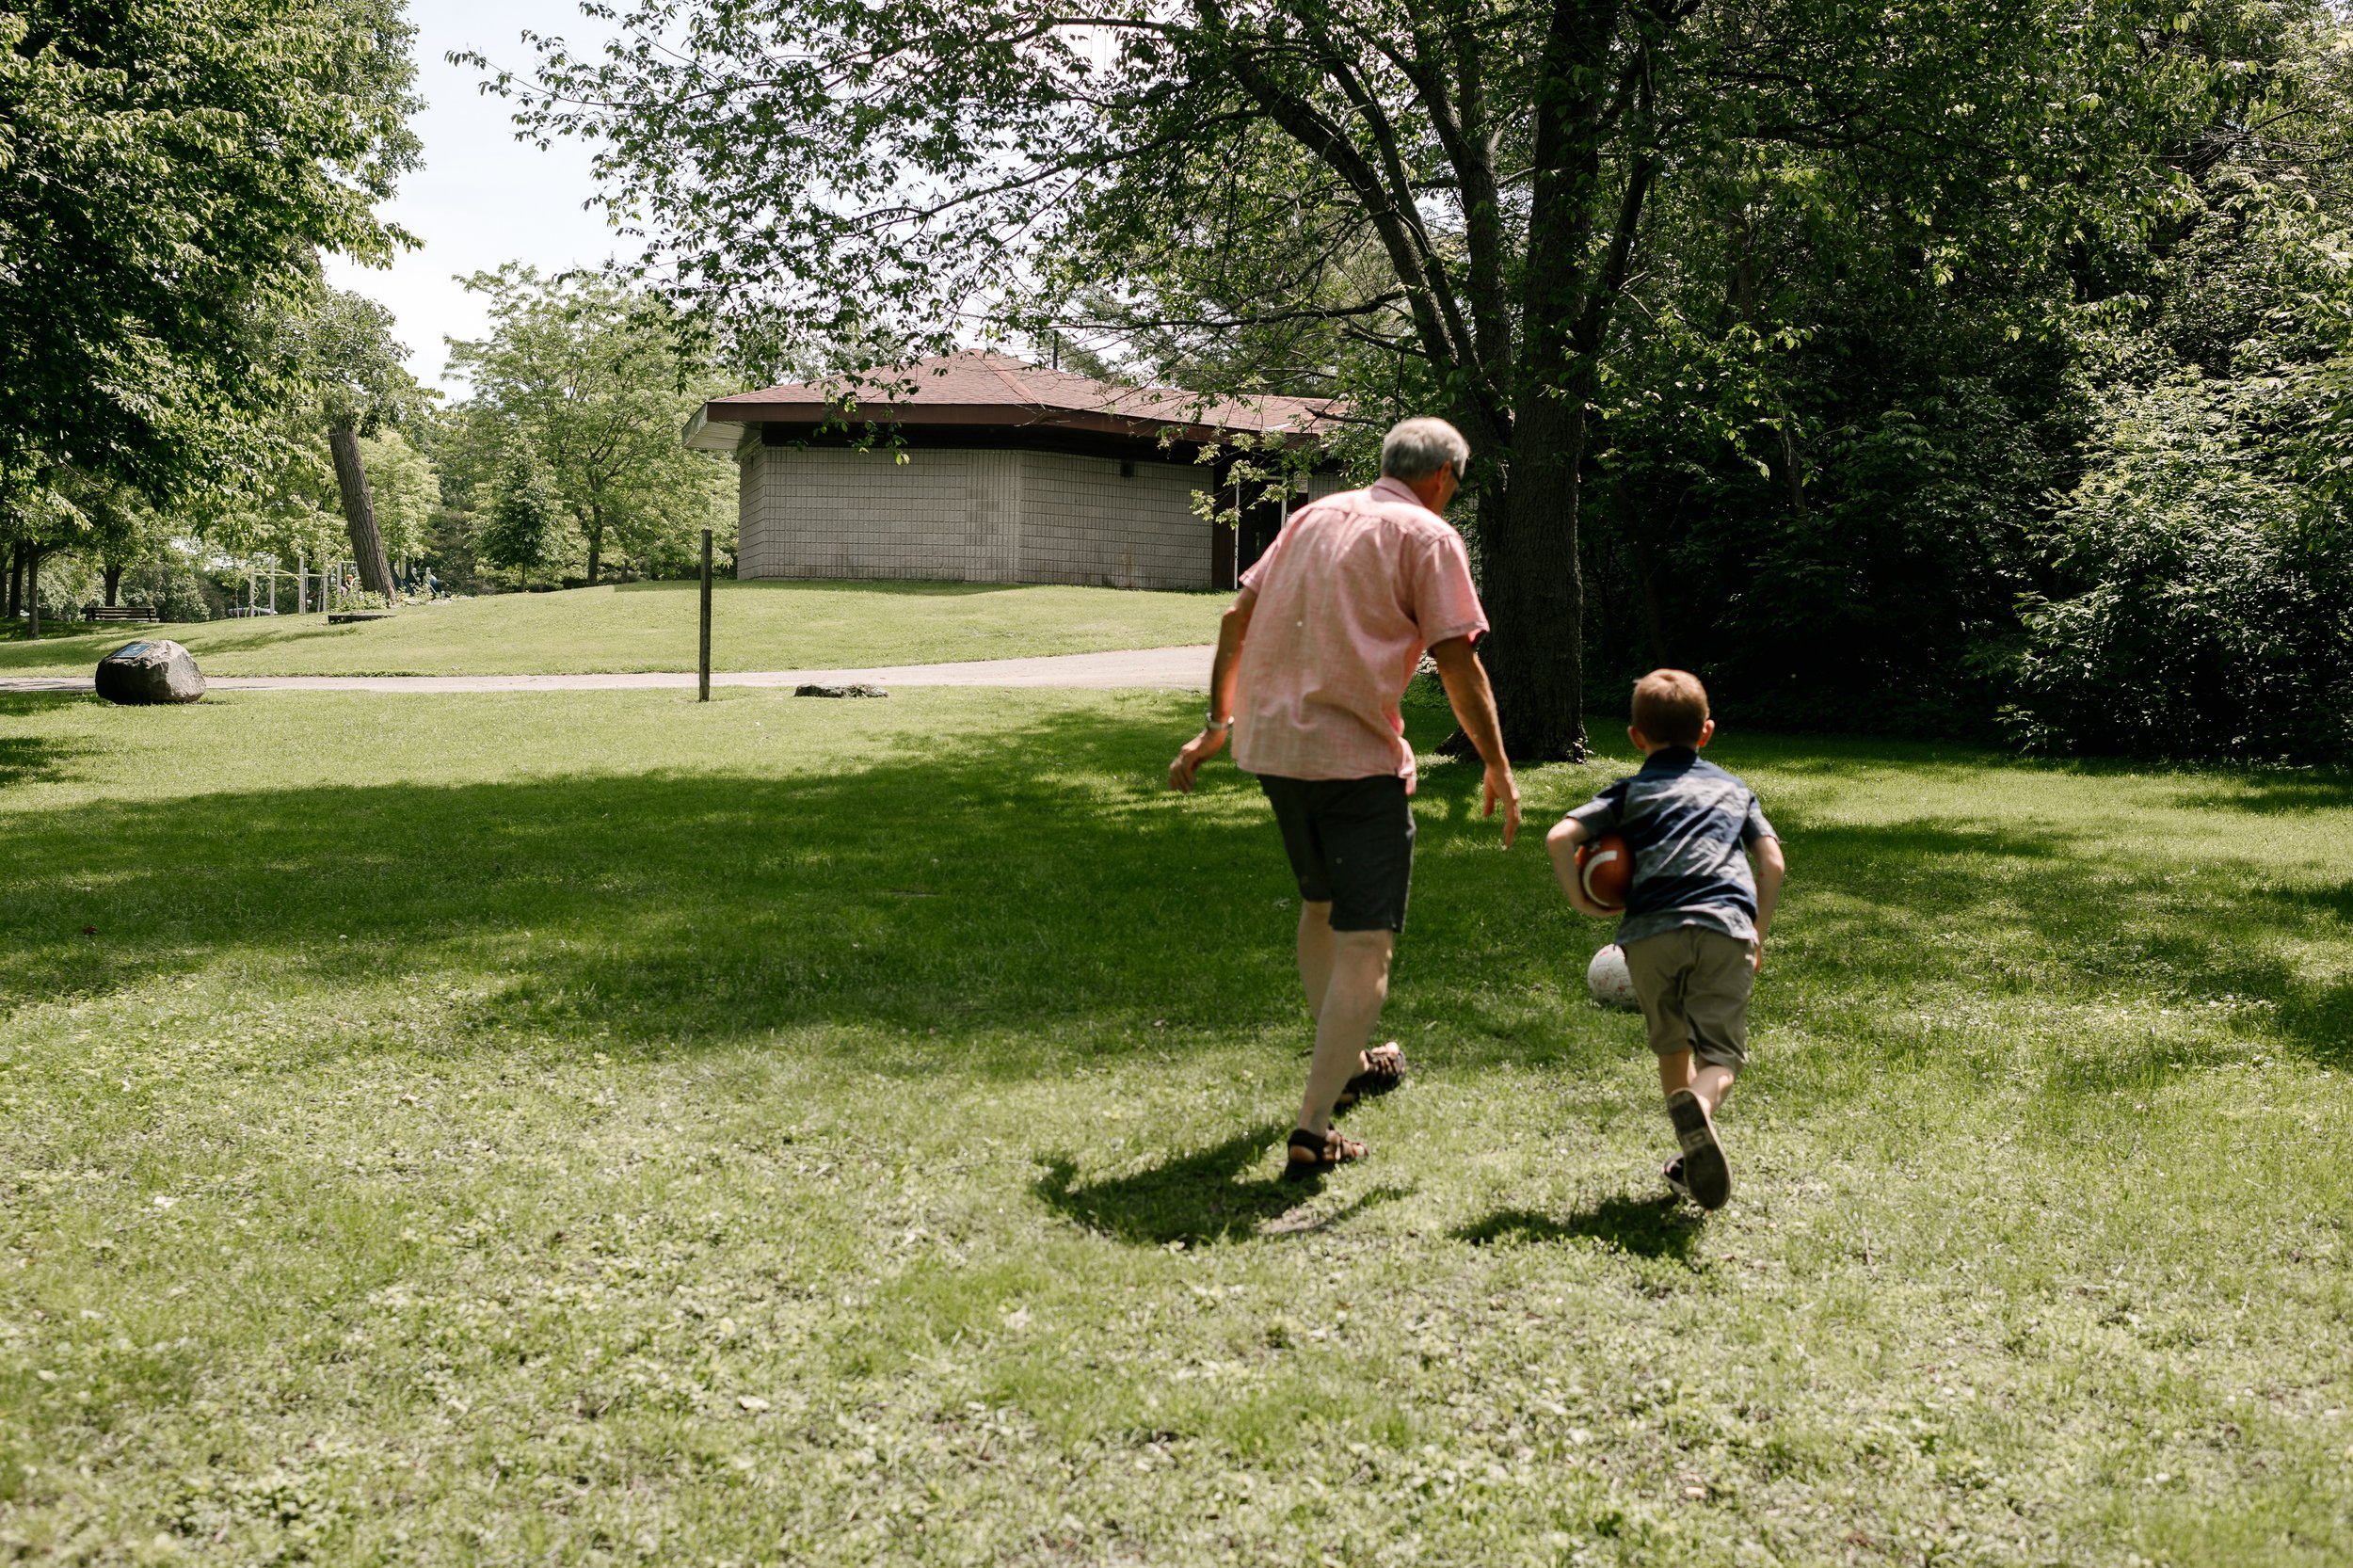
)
(1534, 585)
(1533, 592)
(1654, 609)
(595, 541)
(367, 544)
(16, 580)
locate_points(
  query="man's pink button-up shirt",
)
(1349, 594)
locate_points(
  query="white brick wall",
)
(1083, 522)
(972, 516)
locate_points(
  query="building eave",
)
(746, 411)
(705, 434)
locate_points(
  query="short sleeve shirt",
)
(1351, 592)
(1688, 825)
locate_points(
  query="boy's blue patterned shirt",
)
(1689, 824)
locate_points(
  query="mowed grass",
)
(599, 1127)
(653, 626)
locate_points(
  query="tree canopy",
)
(168, 167)
(1527, 214)
(598, 382)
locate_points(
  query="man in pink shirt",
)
(1312, 658)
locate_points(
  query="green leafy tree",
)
(1443, 204)
(314, 488)
(405, 489)
(346, 370)
(122, 530)
(166, 171)
(2209, 603)
(599, 381)
(36, 519)
(1840, 454)
(519, 533)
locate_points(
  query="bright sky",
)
(482, 198)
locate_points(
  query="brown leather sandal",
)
(1385, 1069)
(1313, 1155)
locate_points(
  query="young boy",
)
(1695, 918)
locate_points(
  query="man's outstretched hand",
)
(1501, 787)
(1206, 745)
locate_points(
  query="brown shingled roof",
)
(996, 390)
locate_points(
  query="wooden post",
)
(703, 685)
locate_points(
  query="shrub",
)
(2211, 611)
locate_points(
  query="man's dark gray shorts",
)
(1350, 842)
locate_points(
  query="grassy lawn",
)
(652, 625)
(603, 1129)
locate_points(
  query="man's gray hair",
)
(1418, 448)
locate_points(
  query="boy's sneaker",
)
(1706, 1177)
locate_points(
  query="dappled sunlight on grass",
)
(652, 626)
(779, 1128)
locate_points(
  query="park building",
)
(980, 468)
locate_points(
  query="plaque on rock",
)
(150, 672)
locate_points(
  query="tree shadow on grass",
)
(219, 638)
(2272, 796)
(2035, 913)
(83, 648)
(1031, 892)
(884, 590)
(30, 704)
(1639, 1227)
(954, 888)
(1196, 1198)
(2334, 903)
(31, 759)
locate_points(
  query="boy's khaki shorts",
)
(1694, 986)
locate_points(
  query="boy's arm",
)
(1771, 870)
(1561, 843)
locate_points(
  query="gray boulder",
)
(145, 672)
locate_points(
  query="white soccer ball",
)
(1608, 978)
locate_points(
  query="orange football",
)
(1606, 867)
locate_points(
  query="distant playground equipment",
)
(333, 589)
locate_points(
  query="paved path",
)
(1181, 669)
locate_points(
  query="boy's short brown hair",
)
(1671, 707)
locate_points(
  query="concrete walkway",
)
(1178, 669)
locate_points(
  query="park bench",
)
(120, 612)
